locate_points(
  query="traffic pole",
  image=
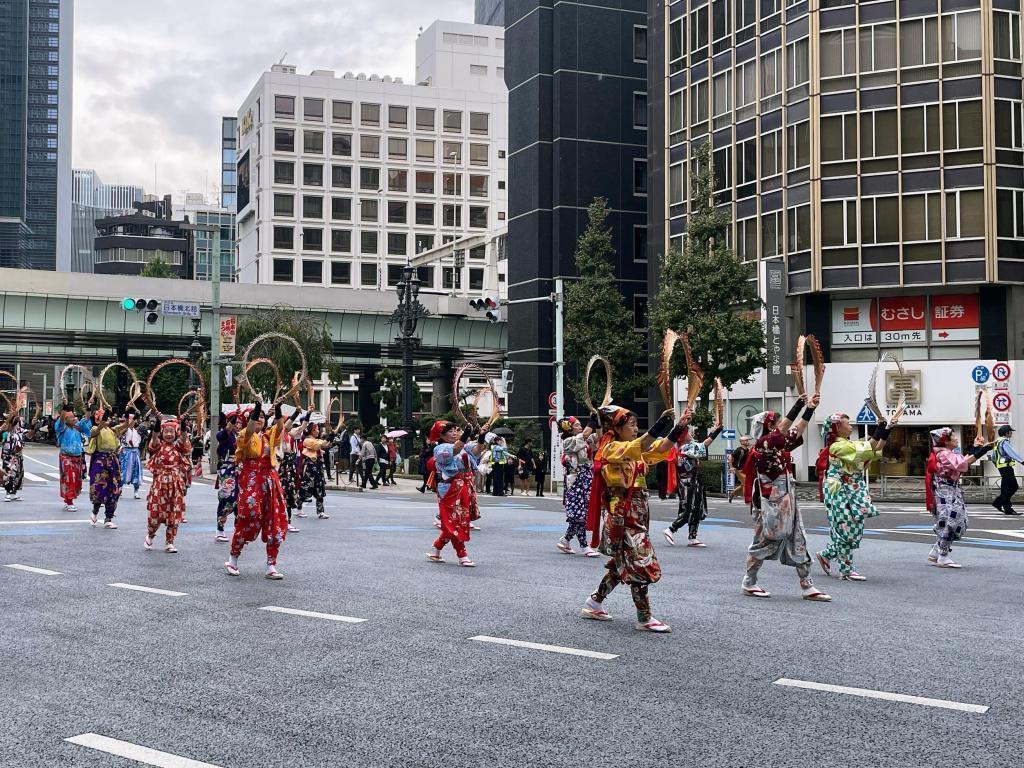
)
(214, 350)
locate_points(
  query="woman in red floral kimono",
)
(619, 496)
(261, 507)
(454, 466)
(169, 462)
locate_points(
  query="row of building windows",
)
(370, 115)
(340, 273)
(370, 146)
(311, 239)
(370, 179)
(138, 256)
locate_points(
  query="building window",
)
(922, 217)
(1009, 128)
(341, 176)
(961, 124)
(879, 220)
(398, 180)
(798, 145)
(368, 243)
(478, 217)
(369, 210)
(675, 44)
(312, 271)
(799, 228)
(675, 184)
(746, 165)
(721, 92)
(284, 271)
(771, 153)
(284, 173)
(369, 146)
(341, 273)
(965, 213)
(879, 133)
(771, 79)
(878, 48)
(699, 103)
(284, 140)
(313, 109)
(451, 278)
(479, 123)
(341, 209)
(312, 239)
(797, 67)
(341, 144)
(961, 36)
(640, 244)
(398, 149)
(369, 179)
(1006, 35)
(839, 138)
(398, 212)
(424, 243)
(699, 29)
(394, 274)
(478, 154)
(284, 205)
(341, 112)
(839, 223)
(919, 42)
(424, 182)
(451, 121)
(771, 234)
(369, 114)
(476, 279)
(639, 110)
(284, 238)
(368, 275)
(312, 207)
(639, 177)
(341, 241)
(478, 70)
(477, 186)
(478, 252)
(424, 119)
(397, 244)
(451, 184)
(639, 43)
(424, 150)
(640, 312)
(424, 214)
(839, 53)
(451, 152)
(313, 142)
(312, 174)
(284, 107)
(746, 239)
(451, 215)
(398, 117)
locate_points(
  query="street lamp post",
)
(195, 350)
(407, 317)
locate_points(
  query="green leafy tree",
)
(708, 292)
(157, 267)
(388, 396)
(597, 321)
(309, 332)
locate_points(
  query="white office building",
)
(91, 200)
(341, 179)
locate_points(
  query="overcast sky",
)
(153, 79)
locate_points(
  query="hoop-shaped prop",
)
(607, 399)
(197, 408)
(26, 391)
(87, 383)
(134, 389)
(301, 380)
(10, 406)
(694, 374)
(803, 343)
(495, 405)
(871, 399)
(668, 346)
(341, 413)
(310, 397)
(151, 398)
(980, 407)
(249, 366)
(719, 402)
(990, 417)
(457, 397)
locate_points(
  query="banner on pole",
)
(228, 335)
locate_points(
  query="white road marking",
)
(134, 752)
(40, 522)
(1016, 534)
(871, 694)
(544, 647)
(312, 614)
(34, 478)
(37, 461)
(30, 569)
(54, 475)
(152, 590)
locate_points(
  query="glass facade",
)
(871, 144)
(229, 159)
(206, 241)
(13, 115)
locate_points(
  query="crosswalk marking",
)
(34, 478)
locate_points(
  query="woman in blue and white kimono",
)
(455, 460)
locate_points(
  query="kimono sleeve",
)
(632, 450)
(854, 451)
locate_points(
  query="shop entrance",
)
(907, 449)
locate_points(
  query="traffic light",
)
(489, 305)
(507, 380)
(150, 307)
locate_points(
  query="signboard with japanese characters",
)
(775, 325)
(181, 309)
(905, 320)
(228, 331)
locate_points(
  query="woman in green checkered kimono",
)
(844, 489)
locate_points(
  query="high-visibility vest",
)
(1001, 459)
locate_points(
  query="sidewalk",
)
(405, 485)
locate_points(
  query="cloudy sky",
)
(153, 79)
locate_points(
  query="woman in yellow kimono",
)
(619, 495)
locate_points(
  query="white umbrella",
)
(396, 433)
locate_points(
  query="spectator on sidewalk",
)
(355, 443)
(367, 458)
(540, 468)
(425, 454)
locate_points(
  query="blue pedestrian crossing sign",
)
(866, 416)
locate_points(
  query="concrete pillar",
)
(369, 413)
(441, 391)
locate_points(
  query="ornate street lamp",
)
(195, 351)
(407, 317)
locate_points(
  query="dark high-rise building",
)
(489, 12)
(228, 160)
(35, 133)
(577, 79)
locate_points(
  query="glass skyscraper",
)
(35, 133)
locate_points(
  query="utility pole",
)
(214, 348)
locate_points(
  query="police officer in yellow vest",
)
(1004, 456)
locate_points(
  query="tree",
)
(157, 267)
(597, 321)
(705, 290)
(309, 332)
(388, 396)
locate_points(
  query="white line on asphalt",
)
(312, 614)
(1015, 534)
(135, 752)
(30, 569)
(34, 478)
(153, 590)
(37, 461)
(870, 694)
(543, 647)
(40, 522)
(54, 475)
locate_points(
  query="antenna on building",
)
(281, 61)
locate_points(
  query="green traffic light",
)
(128, 305)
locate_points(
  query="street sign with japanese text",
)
(775, 325)
(228, 331)
(955, 317)
(181, 309)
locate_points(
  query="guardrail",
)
(977, 489)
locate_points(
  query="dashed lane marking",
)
(139, 754)
(312, 614)
(868, 693)
(151, 590)
(31, 569)
(545, 647)
(41, 522)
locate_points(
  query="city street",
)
(408, 663)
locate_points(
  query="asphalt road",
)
(206, 675)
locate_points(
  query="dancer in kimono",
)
(689, 487)
(169, 461)
(619, 496)
(131, 463)
(12, 459)
(778, 527)
(227, 471)
(844, 489)
(578, 446)
(288, 472)
(455, 461)
(943, 481)
(313, 486)
(71, 436)
(105, 469)
(261, 505)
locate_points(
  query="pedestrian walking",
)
(355, 443)
(540, 469)
(942, 479)
(368, 460)
(169, 462)
(524, 466)
(737, 460)
(1005, 458)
